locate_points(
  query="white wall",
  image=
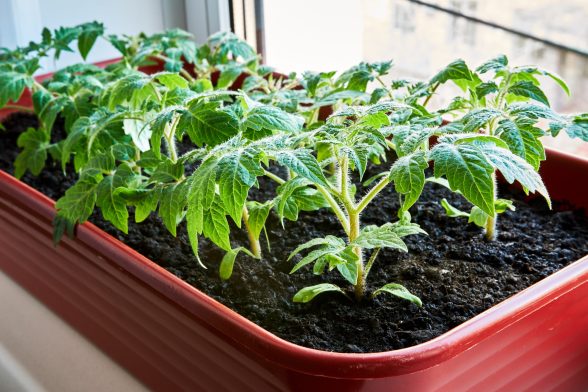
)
(316, 35)
(21, 21)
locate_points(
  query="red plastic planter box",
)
(173, 337)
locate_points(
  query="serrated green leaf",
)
(171, 80)
(514, 168)
(236, 174)
(171, 206)
(78, 202)
(529, 90)
(522, 141)
(228, 75)
(87, 37)
(408, 138)
(206, 123)
(467, 170)
(113, 207)
(12, 85)
(34, 144)
(359, 156)
(316, 254)
(478, 118)
(329, 240)
(465, 138)
(454, 71)
(307, 294)
(408, 175)
(348, 265)
(303, 163)
(486, 88)
(496, 64)
(400, 292)
(531, 111)
(272, 119)
(147, 205)
(136, 88)
(216, 227)
(379, 237)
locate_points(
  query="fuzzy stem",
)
(169, 136)
(490, 225)
(335, 207)
(370, 262)
(354, 226)
(18, 107)
(345, 185)
(183, 71)
(353, 234)
(372, 193)
(385, 87)
(39, 86)
(432, 92)
(272, 176)
(254, 244)
(491, 221)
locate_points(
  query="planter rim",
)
(254, 338)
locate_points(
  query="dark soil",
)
(454, 270)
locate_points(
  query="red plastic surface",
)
(173, 337)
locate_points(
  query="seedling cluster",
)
(238, 120)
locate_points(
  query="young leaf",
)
(454, 71)
(226, 266)
(400, 292)
(148, 204)
(486, 88)
(139, 131)
(329, 240)
(258, 214)
(496, 64)
(316, 255)
(87, 37)
(451, 211)
(478, 217)
(307, 294)
(385, 236)
(555, 77)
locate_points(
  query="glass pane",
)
(333, 35)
